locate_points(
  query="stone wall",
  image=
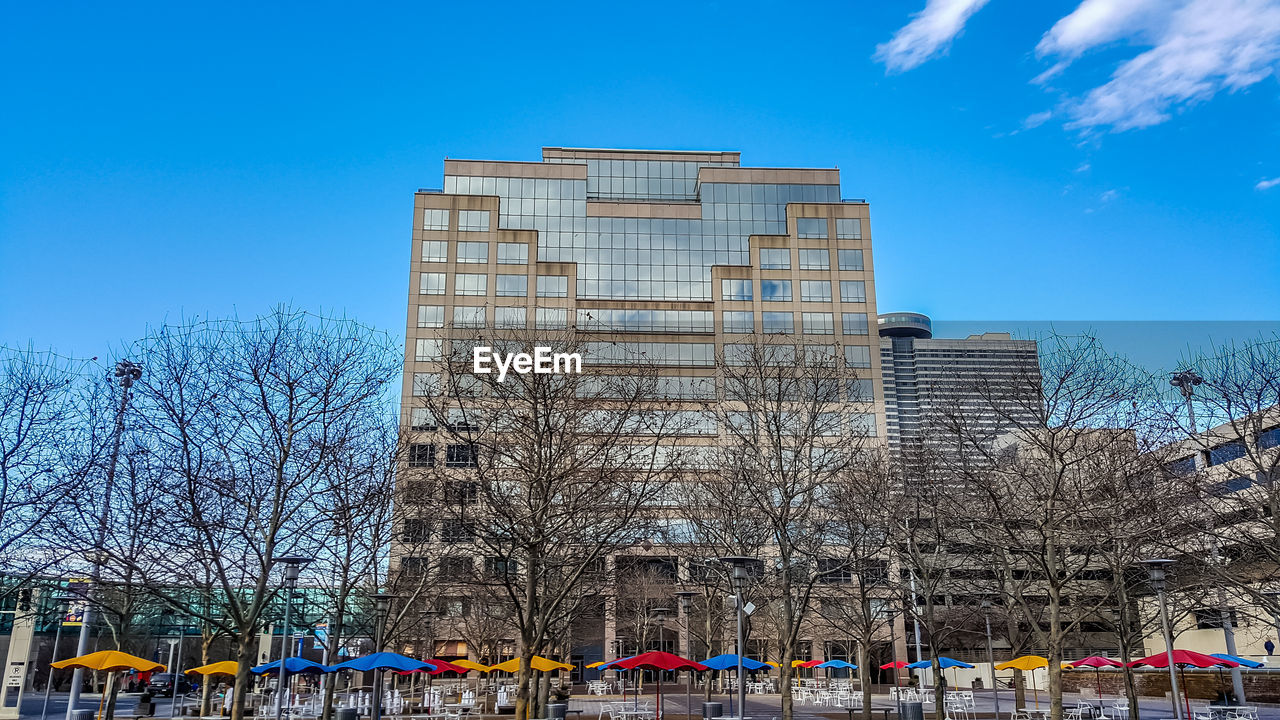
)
(1199, 684)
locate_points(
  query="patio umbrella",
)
(294, 665)
(658, 661)
(729, 660)
(1242, 662)
(836, 664)
(943, 663)
(380, 661)
(595, 665)
(441, 666)
(468, 664)
(1027, 663)
(896, 665)
(109, 661)
(226, 667)
(1097, 662)
(804, 663)
(1184, 659)
(538, 663)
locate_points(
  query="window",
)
(428, 349)
(416, 531)
(551, 318)
(819, 323)
(460, 456)
(733, 289)
(470, 284)
(431, 284)
(815, 259)
(811, 227)
(849, 228)
(461, 492)
(775, 259)
(426, 384)
(453, 606)
(855, 323)
(1226, 452)
(857, 356)
(468, 317)
(435, 251)
(816, 290)
(456, 567)
(775, 290)
(834, 570)
(430, 316)
(509, 317)
(738, 353)
(496, 567)
(473, 220)
(850, 259)
(422, 419)
(1210, 618)
(473, 252)
(553, 286)
(513, 254)
(1269, 438)
(863, 424)
(1182, 466)
(779, 322)
(422, 455)
(513, 285)
(860, 390)
(739, 322)
(456, 531)
(433, 219)
(853, 291)
(820, 355)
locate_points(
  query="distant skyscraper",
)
(926, 378)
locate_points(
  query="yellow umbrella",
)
(226, 667)
(537, 663)
(1027, 663)
(772, 663)
(109, 660)
(596, 664)
(468, 664)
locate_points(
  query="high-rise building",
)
(927, 378)
(679, 255)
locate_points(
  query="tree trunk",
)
(205, 641)
(864, 673)
(939, 687)
(1019, 689)
(244, 656)
(784, 683)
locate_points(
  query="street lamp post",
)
(660, 614)
(686, 597)
(889, 615)
(129, 373)
(991, 658)
(292, 568)
(381, 609)
(428, 617)
(175, 669)
(1156, 569)
(739, 565)
(60, 604)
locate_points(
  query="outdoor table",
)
(886, 711)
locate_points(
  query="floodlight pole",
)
(991, 660)
(685, 597)
(739, 564)
(1156, 571)
(292, 568)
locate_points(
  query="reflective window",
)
(553, 286)
(422, 419)
(513, 286)
(815, 259)
(473, 252)
(854, 323)
(775, 259)
(734, 289)
(853, 291)
(857, 356)
(425, 384)
(607, 320)
(738, 353)
(431, 284)
(739, 322)
(629, 353)
(815, 290)
(551, 318)
(468, 317)
(811, 227)
(850, 259)
(820, 355)
(513, 254)
(860, 390)
(775, 290)
(509, 317)
(430, 316)
(435, 251)
(428, 349)
(779, 322)
(470, 284)
(849, 228)
(433, 219)
(473, 220)
(819, 323)
(863, 424)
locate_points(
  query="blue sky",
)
(1104, 160)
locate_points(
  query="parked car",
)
(162, 684)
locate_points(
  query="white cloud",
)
(928, 34)
(1108, 196)
(1267, 184)
(1035, 120)
(1198, 49)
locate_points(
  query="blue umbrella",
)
(837, 664)
(1239, 660)
(943, 663)
(293, 665)
(383, 661)
(729, 661)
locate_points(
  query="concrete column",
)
(18, 661)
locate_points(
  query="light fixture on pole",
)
(889, 615)
(991, 658)
(292, 569)
(660, 614)
(1157, 571)
(428, 617)
(686, 598)
(381, 609)
(739, 564)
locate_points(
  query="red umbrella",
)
(657, 660)
(895, 665)
(1183, 659)
(441, 666)
(1096, 662)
